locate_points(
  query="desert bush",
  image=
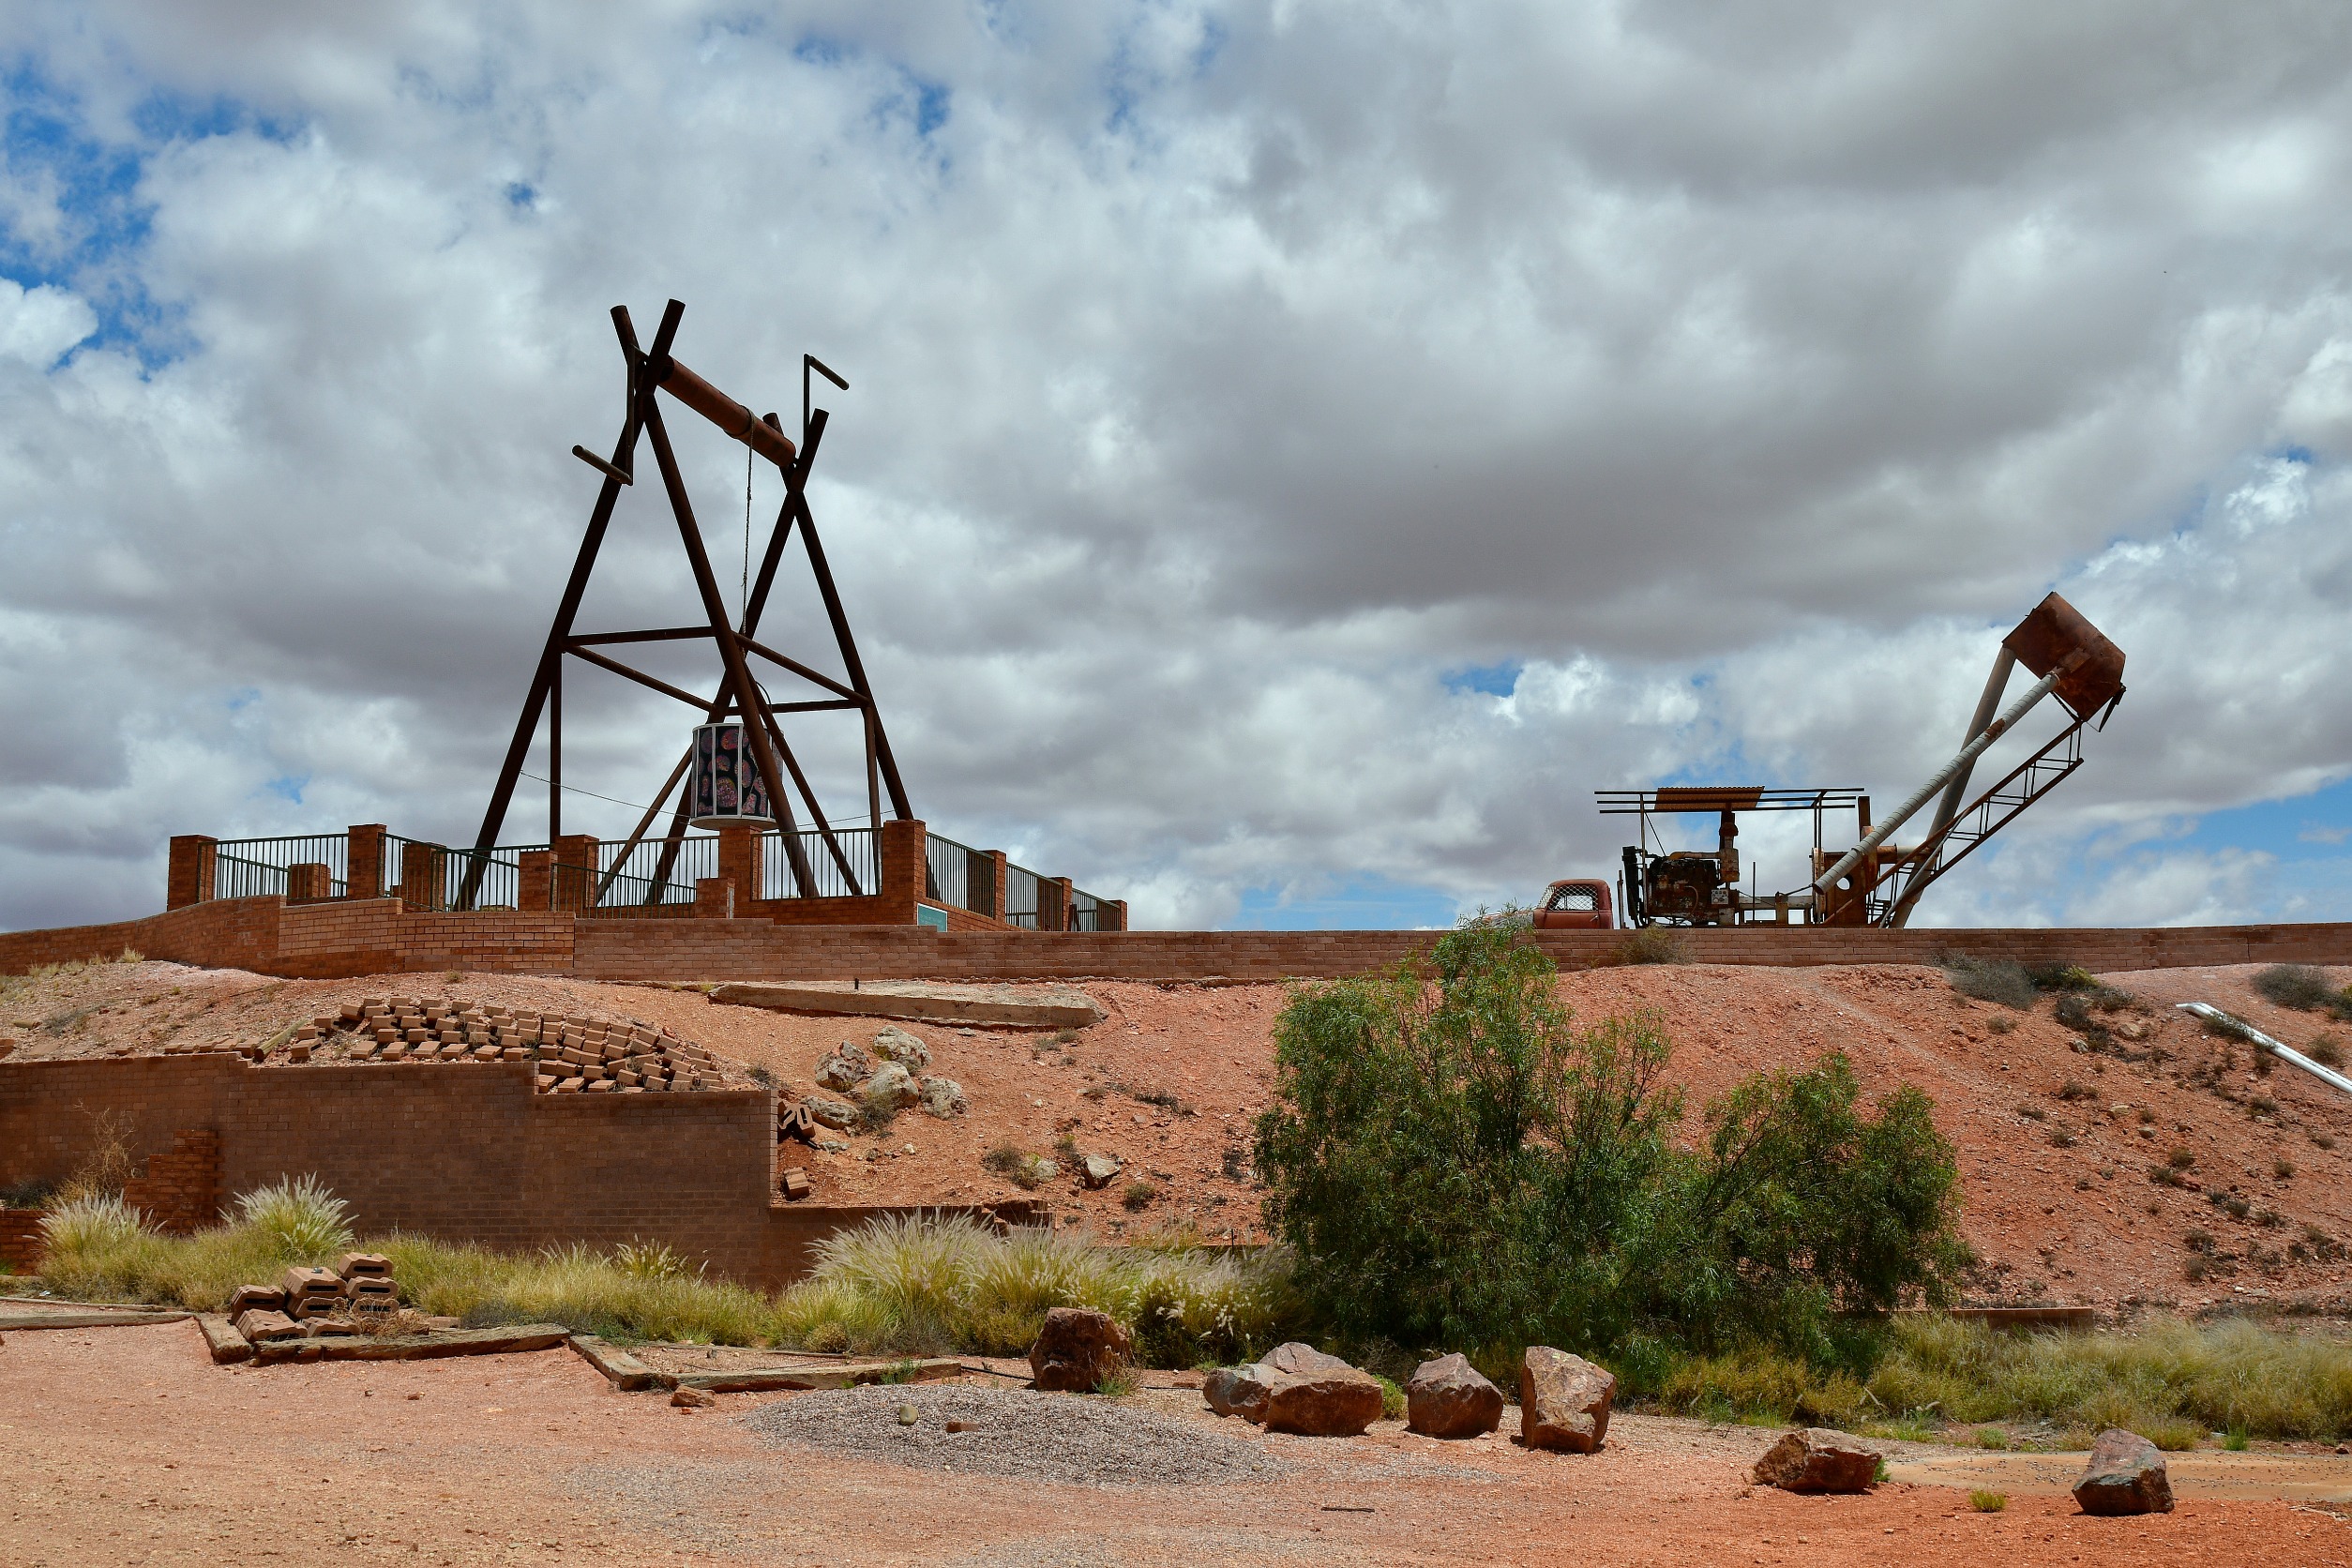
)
(2299, 986)
(1017, 1166)
(1455, 1164)
(1654, 944)
(1998, 980)
(2326, 1049)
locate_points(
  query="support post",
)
(363, 861)
(420, 887)
(574, 872)
(535, 880)
(739, 862)
(1054, 903)
(189, 878)
(902, 851)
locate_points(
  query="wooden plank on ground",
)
(87, 1319)
(222, 1339)
(623, 1370)
(846, 1374)
(416, 1347)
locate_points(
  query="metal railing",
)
(252, 868)
(959, 875)
(496, 875)
(859, 847)
(632, 881)
(1022, 895)
(1086, 912)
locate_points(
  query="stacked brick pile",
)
(574, 1053)
(310, 1301)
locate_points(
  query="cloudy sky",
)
(1295, 453)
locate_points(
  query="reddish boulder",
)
(1296, 1358)
(1447, 1398)
(1563, 1401)
(1079, 1350)
(1338, 1403)
(1817, 1459)
(2126, 1475)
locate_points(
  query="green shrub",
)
(1457, 1164)
(1988, 1502)
(1998, 980)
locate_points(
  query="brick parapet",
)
(383, 936)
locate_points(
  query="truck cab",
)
(1575, 904)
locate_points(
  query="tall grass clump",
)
(930, 1284)
(1456, 1165)
(628, 1293)
(298, 1218)
(2169, 1381)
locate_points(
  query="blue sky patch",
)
(1367, 903)
(1495, 680)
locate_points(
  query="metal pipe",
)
(723, 411)
(1994, 685)
(2263, 1042)
(1944, 775)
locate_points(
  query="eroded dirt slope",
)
(2056, 1143)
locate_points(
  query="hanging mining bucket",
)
(726, 790)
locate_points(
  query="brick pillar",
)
(420, 887)
(987, 882)
(309, 882)
(575, 871)
(363, 861)
(535, 879)
(1115, 915)
(740, 848)
(715, 897)
(904, 868)
(1054, 903)
(189, 878)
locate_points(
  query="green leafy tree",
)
(1457, 1164)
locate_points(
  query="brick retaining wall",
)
(380, 936)
(461, 1150)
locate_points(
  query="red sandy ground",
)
(126, 1446)
(2077, 1224)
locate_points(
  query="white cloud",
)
(1223, 376)
(39, 325)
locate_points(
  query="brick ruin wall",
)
(464, 1152)
(379, 936)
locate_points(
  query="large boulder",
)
(890, 1088)
(845, 1069)
(836, 1114)
(944, 1097)
(2126, 1475)
(1297, 1358)
(1817, 1459)
(1239, 1391)
(1563, 1401)
(896, 1045)
(1097, 1170)
(1336, 1403)
(1079, 1350)
(1447, 1398)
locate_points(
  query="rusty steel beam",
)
(723, 411)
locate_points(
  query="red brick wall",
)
(380, 936)
(180, 1191)
(21, 1240)
(460, 1151)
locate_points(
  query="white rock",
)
(896, 1045)
(943, 1098)
(890, 1088)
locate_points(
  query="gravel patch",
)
(1013, 1432)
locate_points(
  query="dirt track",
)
(2080, 1223)
(126, 1446)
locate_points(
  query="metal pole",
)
(2263, 1042)
(1944, 775)
(1994, 685)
